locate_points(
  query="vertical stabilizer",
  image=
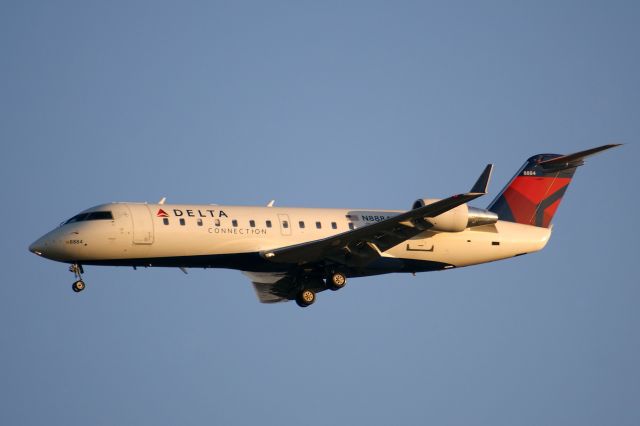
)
(533, 195)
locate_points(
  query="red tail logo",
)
(533, 195)
(162, 213)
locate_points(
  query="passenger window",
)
(199, 222)
(268, 224)
(182, 222)
(351, 225)
(334, 225)
(216, 222)
(165, 220)
(234, 223)
(252, 223)
(301, 224)
(285, 224)
(318, 225)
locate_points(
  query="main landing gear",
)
(77, 270)
(336, 281)
(305, 298)
(307, 295)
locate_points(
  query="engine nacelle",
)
(421, 202)
(479, 217)
(457, 219)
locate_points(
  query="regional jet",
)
(294, 253)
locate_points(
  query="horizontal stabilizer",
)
(576, 158)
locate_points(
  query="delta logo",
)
(193, 213)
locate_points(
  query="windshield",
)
(101, 215)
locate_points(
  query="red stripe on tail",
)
(526, 194)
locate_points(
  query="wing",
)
(362, 245)
(271, 288)
(274, 287)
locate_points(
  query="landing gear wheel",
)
(336, 281)
(305, 298)
(77, 270)
(78, 286)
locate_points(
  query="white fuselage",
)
(236, 236)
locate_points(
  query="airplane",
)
(294, 253)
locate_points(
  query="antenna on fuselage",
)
(271, 203)
(162, 200)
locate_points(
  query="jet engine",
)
(457, 219)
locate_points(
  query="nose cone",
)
(51, 246)
(47, 246)
(38, 247)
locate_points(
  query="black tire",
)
(305, 298)
(336, 281)
(78, 286)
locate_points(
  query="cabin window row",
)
(252, 223)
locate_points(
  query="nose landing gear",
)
(77, 270)
(78, 286)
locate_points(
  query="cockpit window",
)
(77, 218)
(100, 216)
(90, 216)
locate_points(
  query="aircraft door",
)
(142, 223)
(285, 224)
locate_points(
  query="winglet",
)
(481, 185)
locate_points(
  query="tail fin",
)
(534, 194)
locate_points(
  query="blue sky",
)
(337, 104)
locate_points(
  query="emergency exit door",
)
(285, 225)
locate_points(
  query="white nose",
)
(38, 247)
(52, 246)
(48, 246)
